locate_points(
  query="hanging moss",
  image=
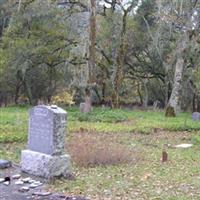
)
(170, 112)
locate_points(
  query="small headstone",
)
(164, 156)
(196, 116)
(86, 107)
(156, 105)
(45, 155)
(184, 146)
(5, 164)
(164, 153)
(82, 107)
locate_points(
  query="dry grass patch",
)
(92, 149)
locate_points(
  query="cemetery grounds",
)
(116, 154)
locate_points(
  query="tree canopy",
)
(135, 52)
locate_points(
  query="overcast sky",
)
(126, 4)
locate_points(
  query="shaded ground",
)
(11, 192)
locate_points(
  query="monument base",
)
(44, 165)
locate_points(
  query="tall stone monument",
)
(45, 155)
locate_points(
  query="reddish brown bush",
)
(90, 149)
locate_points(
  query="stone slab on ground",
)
(11, 192)
(184, 146)
(5, 164)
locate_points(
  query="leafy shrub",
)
(103, 116)
(63, 98)
(23, 100)
(90, 150)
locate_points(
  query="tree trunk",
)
(146, 97)
(167, 88)
(52, 73)
(92, 55)
(194, 103)
(119, 74)
(103, 93)
(18, 86)
(32, 100)
(139, 93)
(92, 42)
(19, 5)
(17, 93)
(198, 104)
(174, 101)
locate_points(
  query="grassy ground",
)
(143, 132)
(13, 122)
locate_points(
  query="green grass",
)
(129, 121)
(196, 139)
(145, 132)
(14, 122)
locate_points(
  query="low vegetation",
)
(91, 150)
(115, 157)
(14, 120)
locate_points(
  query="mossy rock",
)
(170, 112)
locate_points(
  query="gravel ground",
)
(12, 191)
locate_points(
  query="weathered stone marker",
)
(45, 155)
(86, 107)
(196, 116)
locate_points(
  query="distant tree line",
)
(136, 52)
